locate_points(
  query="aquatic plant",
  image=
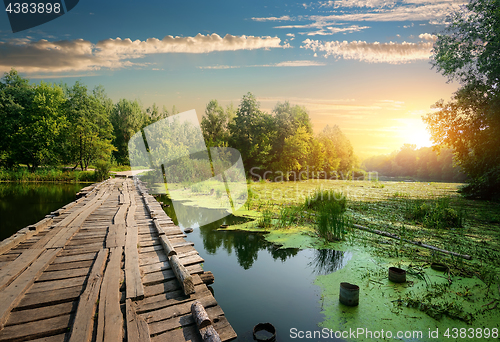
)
(440, 215)
(326, 197)
(265, 221)
(331, 223)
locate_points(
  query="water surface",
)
(256, 281)
(22, 204)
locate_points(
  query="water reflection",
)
(327, 261)
(245, 245)
(22, 204)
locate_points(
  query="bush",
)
(102, 168)
(440, 215)
(323, 197)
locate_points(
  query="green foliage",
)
(23, 174)
(322, 197)
(439, 215)
(331, 223)
(102, 170)
(265, 221)
(468, 51)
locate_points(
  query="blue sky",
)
(360, 64)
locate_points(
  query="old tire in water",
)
(264, 332)
(397, 275)
(349, 294)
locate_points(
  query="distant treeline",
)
(423, 164)
(57, 124)
(279, 145)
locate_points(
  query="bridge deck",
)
(96, 271)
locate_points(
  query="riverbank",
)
(48, 175)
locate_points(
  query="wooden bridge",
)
(98, 270)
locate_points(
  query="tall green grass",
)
(47, 175)
(438, 215)
(330, 206)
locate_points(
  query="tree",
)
(127, 118)
(89, 134)
(215, 123)
(32, 122)
(469, 51)
(337, 146)
(252, 133)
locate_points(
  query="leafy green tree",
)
(16, 96)
(337, 146)
(32, 122)
(469, 51)
(252, 133)
(127, 118)
(89, 134)
(215, 123)
(296, 151)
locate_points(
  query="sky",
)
(363, 65)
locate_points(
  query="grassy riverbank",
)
(47, 175)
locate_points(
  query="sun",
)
(416, 133)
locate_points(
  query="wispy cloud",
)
(301, 63)
(82, 55)
(282, 18)
(342, 11)
(394, 53)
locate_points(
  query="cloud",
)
(82, 55)
(300, 63)
(283, 17)
(329, 30)
(428, 36)
(393, 53)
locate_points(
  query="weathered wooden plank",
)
(116, 236)
(133, 282)
(167, 274)
(31, 315)
(153, 258)
(73, 258)
(176, 310)
(46, 327)
(54, 338)
(170, 285)
(179, 321)
(37, 299)
(16, 267)
(188, 333)
(55, 285)
(171, 298)
(110, 319)
(12, 294)
(137, 328)
(67, 265)
(120, 215)
(84, 318)
(64, 274)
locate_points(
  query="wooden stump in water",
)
(207, 277)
